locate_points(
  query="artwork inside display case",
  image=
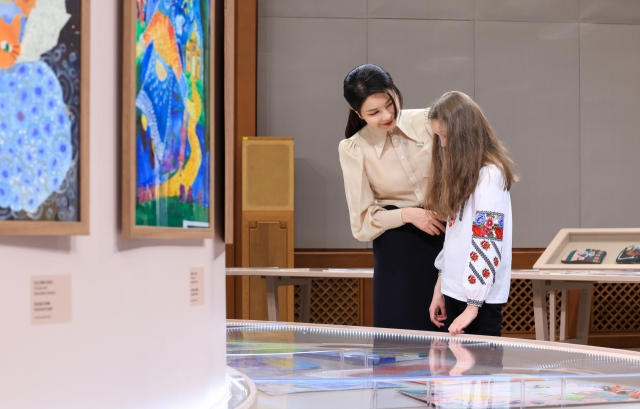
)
(313, 366)
(44, 77)
(629, 255)
(167, 169)
(592, 249)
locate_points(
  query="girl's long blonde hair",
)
(471, 144)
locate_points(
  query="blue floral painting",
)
(39, 109)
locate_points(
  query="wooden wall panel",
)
(267, 241)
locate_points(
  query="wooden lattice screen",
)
(333, 301)
(518, 313)
(615, 308)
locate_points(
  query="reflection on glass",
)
(354, 368)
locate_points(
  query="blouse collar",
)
(379, 137)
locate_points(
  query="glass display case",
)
(322, 366)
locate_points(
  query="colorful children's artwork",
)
(630, 255)
(270, 366)
(584, 256)
(496, 394)
(356, 357)
(319, 386)
(172, 115)
(40, 109)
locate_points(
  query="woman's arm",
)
(368, 220)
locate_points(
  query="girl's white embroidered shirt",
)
(475, 262)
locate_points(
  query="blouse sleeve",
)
(368, 220)
(485, 250)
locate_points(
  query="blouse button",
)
(403, 158)
(410, 175)
(417, 190)
(395, 141)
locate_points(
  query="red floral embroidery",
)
(489, 223)
(474, 256)
(471, 279)
(485, 273)
(486, 224)
(485, 245)
(496, 261)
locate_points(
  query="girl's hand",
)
(459, 324)
(464, 358)
(438, 358)
(422, 219)
(437, 312)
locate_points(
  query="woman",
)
(385, 160)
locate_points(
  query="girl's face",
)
(377, 110)
(440, 129)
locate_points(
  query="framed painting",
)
(167, 112)
(44, 112)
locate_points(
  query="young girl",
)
(470, 178)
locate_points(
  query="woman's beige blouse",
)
(382, 169)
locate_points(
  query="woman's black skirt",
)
(404, 277)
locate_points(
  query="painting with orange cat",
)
(40, 65)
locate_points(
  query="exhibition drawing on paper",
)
(40, 110)
(172, 115)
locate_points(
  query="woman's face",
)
(440, 129)
(377, 110)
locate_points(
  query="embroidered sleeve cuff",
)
(390, 219)
(475, 303)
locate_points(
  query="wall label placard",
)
(196, 286)
(50, 299)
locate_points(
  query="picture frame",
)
(167, 120)
(45, 143)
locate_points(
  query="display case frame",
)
(613, 241)
(312, 366)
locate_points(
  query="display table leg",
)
(272, 299)
(305, 302)
(584, 315)
(552, 315)
(540, 310)
(305, 294)
(563, 315)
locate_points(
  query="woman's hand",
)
(459, 324)
(437, 312)
(422, 219)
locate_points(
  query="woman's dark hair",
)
(359, 84)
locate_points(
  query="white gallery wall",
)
(558, 79)
(134, 340)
